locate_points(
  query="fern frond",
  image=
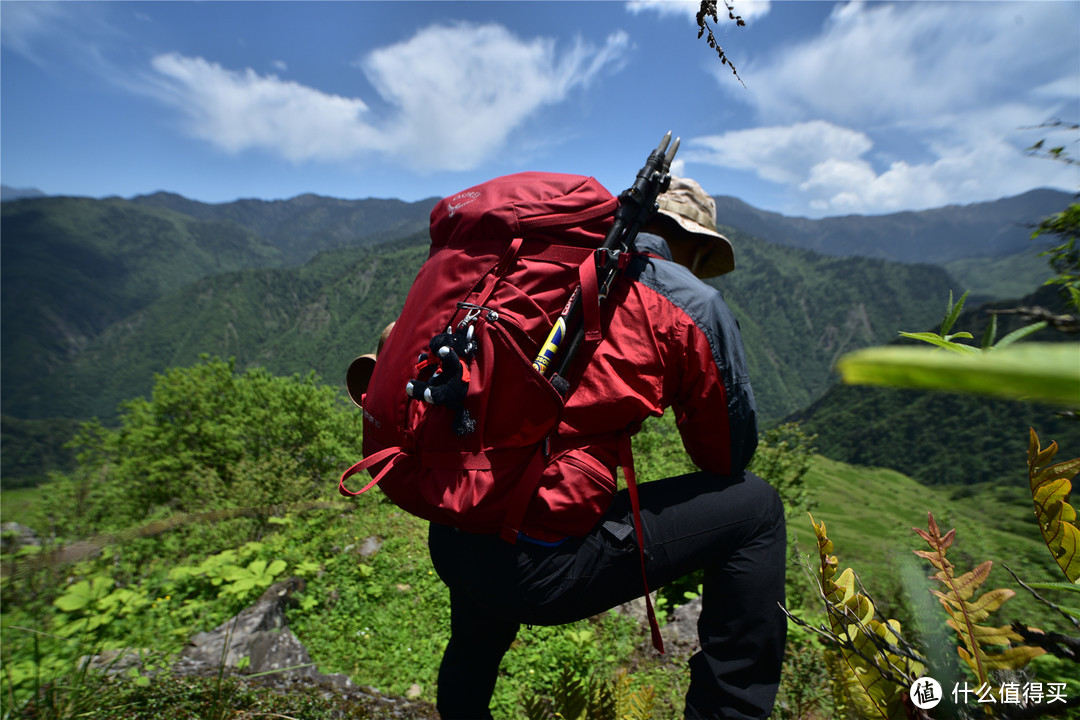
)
(571, 697)
(966, 610)
(877, 675)
(631, 704)
(535, 708)
(1050, 489)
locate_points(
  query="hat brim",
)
(720, 257)
(358, 376)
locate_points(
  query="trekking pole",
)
(637, 204)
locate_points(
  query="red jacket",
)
(670, 340)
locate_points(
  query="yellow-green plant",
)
(967, 609)
(593, 698)
(1050, 489)
(879, 666)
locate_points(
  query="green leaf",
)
(83, 594)
(1068, 587)
(944, 342)
(1020, 333)
(1050, 489)
(275, 568)
(1039, 372)
(991, 333)
(952, 312)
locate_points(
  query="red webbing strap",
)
(366, 463)
(522, 494)
(590, 297)
(501, 269)
(626, 458)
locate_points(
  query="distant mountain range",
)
(939, 236)
(11, 193)
(97, 295)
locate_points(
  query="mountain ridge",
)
(938, 235)
(81, 274)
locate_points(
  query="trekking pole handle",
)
(636, 207)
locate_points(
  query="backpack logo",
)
(465, 197)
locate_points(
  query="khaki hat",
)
(359, 373)
(687, 208)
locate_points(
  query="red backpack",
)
(504, 256)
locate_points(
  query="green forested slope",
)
(100, 294)
(999, 278)
(316, 317)
(70, 267)
(799, 311)
(306, 225)
(941, 437)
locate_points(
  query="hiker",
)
(670, 341)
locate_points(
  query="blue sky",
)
(860, 107)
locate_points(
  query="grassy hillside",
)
(869, 513)
(382, 617)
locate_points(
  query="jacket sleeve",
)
(714, 403)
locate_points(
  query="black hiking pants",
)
(733, 527)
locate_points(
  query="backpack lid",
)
(516, 205)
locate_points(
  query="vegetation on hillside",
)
(916, 432)
(223, 481)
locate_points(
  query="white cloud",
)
(828, 169)
(748, 10)
(455, 94)
(241, 110)
(907, 105)
(783, 154)
(884, 61)
(54, 34)
(462, 89)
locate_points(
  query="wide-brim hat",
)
(687, 209)
(359, 373)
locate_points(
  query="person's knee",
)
(767, 499)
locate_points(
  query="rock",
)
(370, 546)
(679, 632)
(260, 633)
(257, 633)
(15, 535)
(681, 628)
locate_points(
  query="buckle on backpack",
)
(474, 312)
